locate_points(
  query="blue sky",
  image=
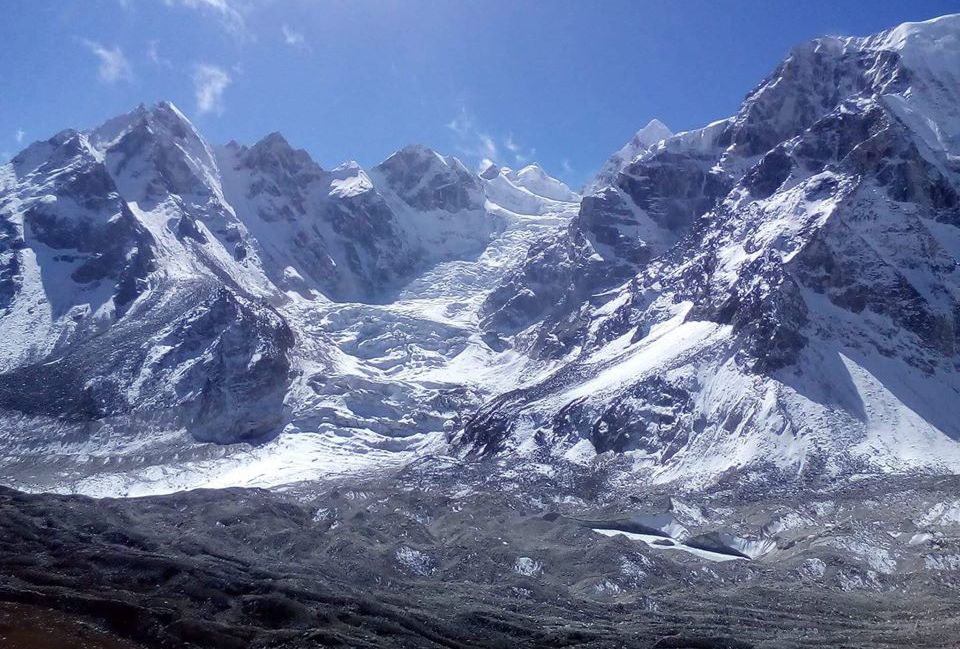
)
(562, 82)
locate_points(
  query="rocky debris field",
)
(471, 555)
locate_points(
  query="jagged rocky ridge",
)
(775, 293)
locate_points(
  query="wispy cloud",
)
(521, 155)
(226, 11)
(470, 140)
(487, 148)
(293, 38)
(113, 64)
(19, 135)
(461, 124)
(209, 84)
(153, 53)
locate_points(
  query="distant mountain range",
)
(776, 295)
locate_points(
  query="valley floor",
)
(472, 555)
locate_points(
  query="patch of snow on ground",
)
(877, 557)
(415, 561)
(941, 514)
(812, 569)
(656, 542)
(527, 567)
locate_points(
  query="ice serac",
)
(776, 292)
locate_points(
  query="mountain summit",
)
(643, 140)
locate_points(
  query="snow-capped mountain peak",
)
(932, 40)
(163, 119)
(349, 179)
(728, 269)
(535, 179)
(274, 149)
(426, 180)
(655, 131)
(930, 50)
(643, 140)
(156, 150)
(531, 177)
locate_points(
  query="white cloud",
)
(226, 10)
(113, 64)
(19, 135)
(520, 155)
(209, 84)
(472, 141)
(566, 166)
(488, 148)
(461, 124)
(293, 38)
(153, 53)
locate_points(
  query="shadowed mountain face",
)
(775, 293)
